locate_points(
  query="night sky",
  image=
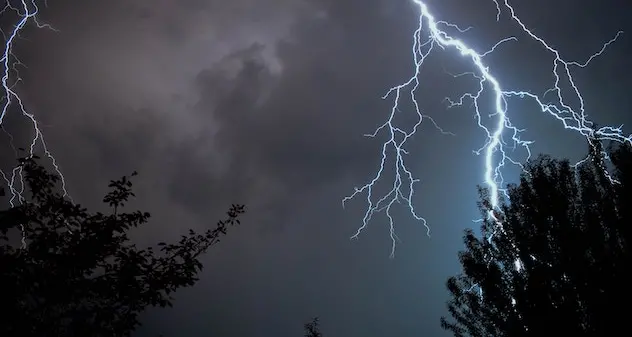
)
(266, 103)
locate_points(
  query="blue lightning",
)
(26, 13)
(499, 137)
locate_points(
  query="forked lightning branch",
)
(432, 33)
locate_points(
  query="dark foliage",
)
(560, 264)
(312, 329)
(77, 273)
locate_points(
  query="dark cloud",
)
(288, 133)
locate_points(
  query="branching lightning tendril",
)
(499, 137)
(26, 12)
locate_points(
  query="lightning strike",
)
(501, 136)
(26, 12)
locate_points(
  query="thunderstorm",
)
(432, 33)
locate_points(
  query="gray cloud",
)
(149, 58)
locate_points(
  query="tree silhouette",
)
(312, 329)
(560, 262)
(77, 273)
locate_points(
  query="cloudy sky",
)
(265, 102)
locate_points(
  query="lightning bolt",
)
(499, 137)
(26, 13)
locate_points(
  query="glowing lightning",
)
(495, 145)
(26, 12)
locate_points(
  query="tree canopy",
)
(312, 329)
(77, 273)
(560, 262)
